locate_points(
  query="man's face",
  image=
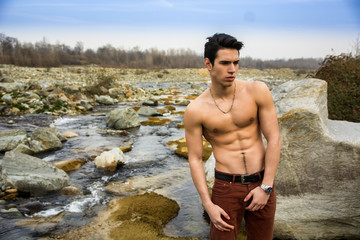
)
(225, 67)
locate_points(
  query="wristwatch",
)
(267, 189)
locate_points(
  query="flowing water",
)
(149, 157)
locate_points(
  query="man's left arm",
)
(269, 127)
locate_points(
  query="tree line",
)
(44, 54)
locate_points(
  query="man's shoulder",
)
(199, 101)
(255, 86)
(197, 105)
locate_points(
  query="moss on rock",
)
(135, 217)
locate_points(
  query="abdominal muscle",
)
(238, 156)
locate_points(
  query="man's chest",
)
(242, 115)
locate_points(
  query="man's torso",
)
(235, 137)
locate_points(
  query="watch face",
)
(269, 190)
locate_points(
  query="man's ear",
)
(208, 63)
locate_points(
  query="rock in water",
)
(135, 217)
(31, 174)
(148, 111)
(109, 160)
(46, 139)
(10, 139)
(123, 119)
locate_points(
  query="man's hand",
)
(259, 199)
(215, 212)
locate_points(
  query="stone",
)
(135, 217)
(69, 134)
(148, 111)
(7, 99)
(12, 86)
(152, 103)
(52, 98)
(10, 139)
(122, 119)
(45, 139)
(125, 149)
(71, 191)
(86, 105)
(181, 148)
(69, 165)
(110, 160)
(116, 93)
(155, 121)
(31, 174)
(23, 148)
(141, 184)
(11, 213)
(32, 207)
(182, 102)
(105, 100)
(319, 164)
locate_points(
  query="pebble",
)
(11, 213)
(11, 122)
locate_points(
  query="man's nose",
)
(232, 68)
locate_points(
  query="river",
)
(150, 156)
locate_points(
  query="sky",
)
(269, 29)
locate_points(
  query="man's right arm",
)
(193, 134)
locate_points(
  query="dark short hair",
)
(220, 41)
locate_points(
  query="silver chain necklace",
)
(231, 103)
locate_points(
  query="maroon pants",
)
(230, 197)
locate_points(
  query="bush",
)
(102, 79)
(342, 73)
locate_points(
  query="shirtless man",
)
(232, 115)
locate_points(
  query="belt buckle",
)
(242, 179)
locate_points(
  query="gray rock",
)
(7, 99)
(151, 103)
(23, 148)
(27, 97)
(122, 119)
(11, 213)
(182, 102)
(13, 86)
(148, 111)
(117, 92)
(31, 174)
(86, 104)
(105, 100)
(52, 98)
(45, 139)
(319, 172)
(10, 139)
(32, 207)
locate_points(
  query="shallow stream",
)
(150, 156)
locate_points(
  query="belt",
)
(244, 179)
